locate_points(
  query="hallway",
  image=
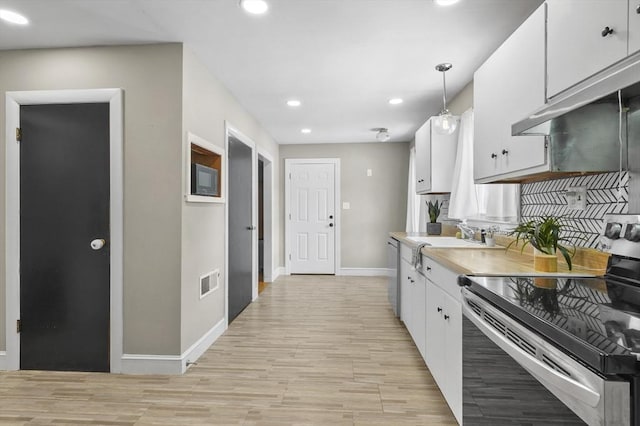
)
(313, 350)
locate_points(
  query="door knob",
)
(494, 155)
(607, 31)
(97, 244)
(330, 216)
(638, 9)
(331, 225)
(250, 228)
(505, 152)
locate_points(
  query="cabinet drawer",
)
(444, 278)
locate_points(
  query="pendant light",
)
(445, 123)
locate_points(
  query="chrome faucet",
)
(468, 232)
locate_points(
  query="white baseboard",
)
(3, 360)
(172, 364)
(277, 272)
(364, 272)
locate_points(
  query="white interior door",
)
(312, 217)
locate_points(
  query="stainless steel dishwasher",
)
(394, 286)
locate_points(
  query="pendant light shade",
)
(445, 123)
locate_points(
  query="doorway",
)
(312, 226)
(265, 218)
(64, 222)
(242, 274)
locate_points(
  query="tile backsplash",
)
(549, 197)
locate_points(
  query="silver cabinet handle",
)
(97, 244)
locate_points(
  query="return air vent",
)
(209, 282)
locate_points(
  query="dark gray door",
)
(64, 205)
(240, 227)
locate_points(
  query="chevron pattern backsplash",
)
(548, 197)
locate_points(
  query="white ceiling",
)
(344, 59)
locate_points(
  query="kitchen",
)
(506, 169)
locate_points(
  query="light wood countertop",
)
(492, 261)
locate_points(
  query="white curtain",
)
(413, 200)
(464, 200)
(468, 200)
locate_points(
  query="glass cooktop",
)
(595, 319)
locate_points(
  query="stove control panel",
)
(621, 235)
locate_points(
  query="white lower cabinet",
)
(412, 299)
(444, 345)
(431, 309)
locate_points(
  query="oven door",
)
(511, 375)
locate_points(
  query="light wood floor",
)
(311, 351)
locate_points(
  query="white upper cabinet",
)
(435, 158)
(507, 87)
(634, 26)
(584, 37)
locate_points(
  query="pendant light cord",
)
(444, 91)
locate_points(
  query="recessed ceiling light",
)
(13, 17)
(395, 101)
(294, 103)
(446, 2)
(256, 7)
(306, 131)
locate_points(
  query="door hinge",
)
(18, 134)
(289, 175)
(289, 256)
(289, 216)
(18, 326)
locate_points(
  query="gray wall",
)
(206, 106)
(151, 78)
(378, 203)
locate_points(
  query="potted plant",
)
(544, 234)
(433, 227)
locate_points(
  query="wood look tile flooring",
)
(313, 350)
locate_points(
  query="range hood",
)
(601, 89)
(585, 129)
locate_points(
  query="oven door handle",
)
(541, 371)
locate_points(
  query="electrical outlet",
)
(369, 172)
(576, 197)
(346, 205)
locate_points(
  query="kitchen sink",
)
(449, 242)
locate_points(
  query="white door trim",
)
(12, 210)
(288, 163)
(268, 192)
(229, 129)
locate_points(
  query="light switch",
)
(576, 198)
(369, 172)
(346, 205)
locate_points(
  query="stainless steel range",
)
(546, 350)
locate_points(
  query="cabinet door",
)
(418, 321)
(433, 332)
(634, 26)
(423, 158)
(522, 58)
(507, 87)
(452, 354)
(486, 120)
(405, 292)
(443, 159)
(576, 47)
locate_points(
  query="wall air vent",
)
(209, 282)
